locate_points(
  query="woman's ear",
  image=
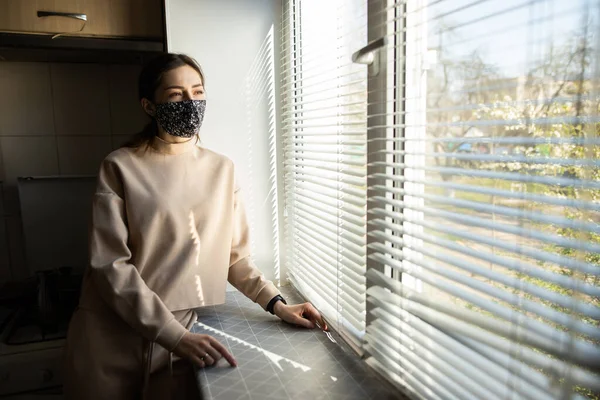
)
(148, 107)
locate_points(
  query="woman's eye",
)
(199, 92)
(174, 95)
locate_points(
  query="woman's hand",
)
(202, 350)
(304, 314)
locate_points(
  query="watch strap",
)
(274, 300)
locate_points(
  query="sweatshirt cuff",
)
(266, 294)
(170, 335)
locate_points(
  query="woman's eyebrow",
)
(182, 87)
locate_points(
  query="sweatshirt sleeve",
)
(115, 277)
(243, 274)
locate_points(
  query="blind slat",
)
(446, 360)
(535, 386)
(513, 282)
(333, 158)
(484, 288)
(348, 194)
(328, 226)
(440, 372)
(344, 228)
(552, 342)
(579, 375)
(532, 252)
(314, 173)
(324, 156)
(337, 195)
(503, 159)
(333, 234)
(493, 374)
(413, 376)
(520, 267)
(346, 250)
(524, 196)
(328, 208)
(498, 209)
(479, 236)
(508, 176)
(469, 220)
(330, 166)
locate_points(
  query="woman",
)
(168, 232)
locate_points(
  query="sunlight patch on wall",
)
(260, 112)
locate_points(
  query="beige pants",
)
(105, 359)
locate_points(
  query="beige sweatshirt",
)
(168, 231)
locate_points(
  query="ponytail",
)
(143, 137)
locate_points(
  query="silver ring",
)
(202, 358)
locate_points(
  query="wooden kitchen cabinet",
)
(105, 18)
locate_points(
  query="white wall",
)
(227, 37)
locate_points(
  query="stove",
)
(34, 315)
(30, 359)
(33, 329)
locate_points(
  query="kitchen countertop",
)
(280, 361)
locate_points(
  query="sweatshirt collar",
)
(165, 147)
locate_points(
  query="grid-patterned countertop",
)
(279, 361)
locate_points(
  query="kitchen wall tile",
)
(10, 200)
(82, 155)
(80, 94)
(2, 201)
(16, 248)
(26, 101)
(1, 161)
(28, 156)
(126, 114)
(120, 140)
(5, 273)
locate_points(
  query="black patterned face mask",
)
(181, 118)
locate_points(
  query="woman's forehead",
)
(184, 76)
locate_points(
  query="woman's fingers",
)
(311, 313)
(213, 353)
(202, 350)
(223, 351)
(207, 354)
(208, 360)
(299, 314)
(305, 323)
(197, 361)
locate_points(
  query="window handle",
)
(366, 55)
(82, 17)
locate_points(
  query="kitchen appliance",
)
(34, 317)
(56, 212)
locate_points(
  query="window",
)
(489, 207)
(324, 121)
(464, 168)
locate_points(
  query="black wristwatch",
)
(274, 300)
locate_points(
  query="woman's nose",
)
(187, 95)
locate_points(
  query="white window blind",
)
(484, 198)
(324, 124)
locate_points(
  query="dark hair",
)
(150, 79)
